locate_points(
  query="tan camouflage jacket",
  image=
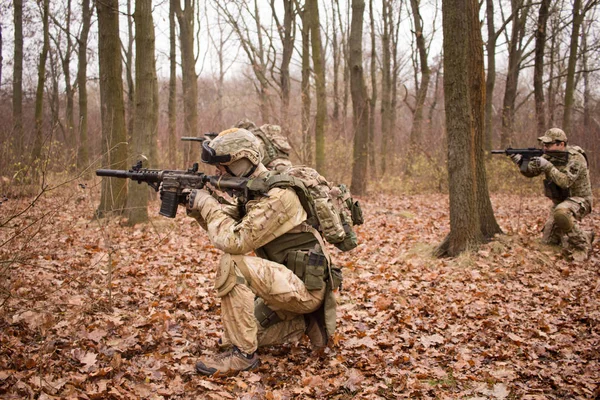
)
(267, 218)
(573, 175)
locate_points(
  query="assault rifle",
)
(175, 185)
(531, 152)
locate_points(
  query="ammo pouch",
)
(350, 240)
(357, 214)
(309, 266)
(555, 192)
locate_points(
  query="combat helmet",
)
(236, 149)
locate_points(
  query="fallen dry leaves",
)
(510, 320)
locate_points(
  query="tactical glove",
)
(541, 163)
(516, 158)
(200, 202)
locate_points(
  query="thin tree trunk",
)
(515, 53)
(490, 82)
(373, 101)
(17, 98)
(554, 82)
(538, 70)
(336, 64)
(416, 132)
(306, 98)
(130, 111)
(360, 100)
(82, 150)
(172, 105)
(570, 83)
(39, 95)
(587, 91)
(321, 95)
(386, 87)
(189, 77)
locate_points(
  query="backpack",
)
(330, 208)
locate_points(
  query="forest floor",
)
(512, 319)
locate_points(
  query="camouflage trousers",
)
(576, 238)
(240, 279)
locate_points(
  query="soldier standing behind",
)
(567, 184)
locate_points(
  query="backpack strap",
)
(306, 199)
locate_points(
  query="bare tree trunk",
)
(39, 95)
(65, 59)
(416, 131)
(145, 122)
(515, 53)
(464, 216)
(578, 15)
(360, 101)
(395, 76)
(129, 71)
(17, 99)
(487, 221)
(335, 46)
(82, 150)
(114, 135)
(554, 81)
(306, 100)
(287, 34)
(490, 82)
(587, 91)
(386, 86)
(538, 71)
(373, 101)
(321, 94)
(1, 56)
(172, 105)
(189, 76)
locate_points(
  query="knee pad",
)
(226, 278)
(563, 219)
(264, 315)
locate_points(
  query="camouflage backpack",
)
(330, 208)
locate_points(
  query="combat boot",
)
(228, 363)
(315, 330)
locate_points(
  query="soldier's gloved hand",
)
(516, 158)
(200, 202)
(541, 163)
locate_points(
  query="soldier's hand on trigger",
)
(541, 163)
(516, 158)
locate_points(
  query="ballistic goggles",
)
(209, 155)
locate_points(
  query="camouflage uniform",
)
(272, 225)
(568, 185)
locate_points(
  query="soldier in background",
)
(275, 147)
(567, 184)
